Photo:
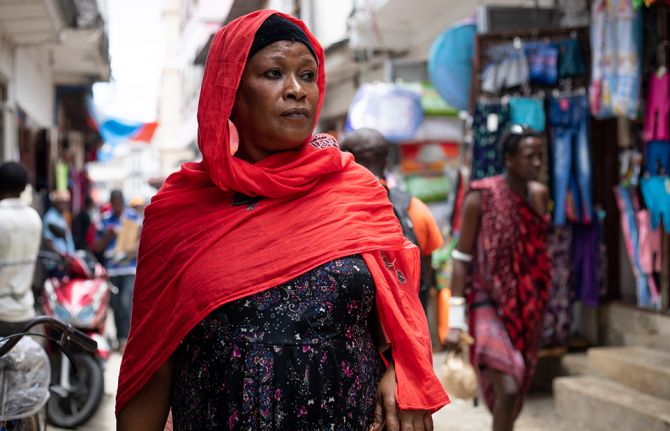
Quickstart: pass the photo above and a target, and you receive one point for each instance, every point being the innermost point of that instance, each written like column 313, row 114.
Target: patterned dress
column 509, row 289
column 299, row 356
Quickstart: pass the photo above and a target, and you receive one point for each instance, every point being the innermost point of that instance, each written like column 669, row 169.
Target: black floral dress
column 299, row 356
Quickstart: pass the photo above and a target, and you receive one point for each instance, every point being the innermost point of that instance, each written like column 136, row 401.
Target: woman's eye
column 308, row 76
column 273, row 73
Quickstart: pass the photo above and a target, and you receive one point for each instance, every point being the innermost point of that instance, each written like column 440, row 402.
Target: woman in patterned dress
column 264, row 269
column 504, row 236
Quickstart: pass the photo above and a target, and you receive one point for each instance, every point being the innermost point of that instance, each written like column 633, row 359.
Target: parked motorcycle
column 25, row 372
column 77, row 292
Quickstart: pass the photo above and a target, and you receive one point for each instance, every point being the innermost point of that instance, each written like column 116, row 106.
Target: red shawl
column 517, row 273
column 198, row 251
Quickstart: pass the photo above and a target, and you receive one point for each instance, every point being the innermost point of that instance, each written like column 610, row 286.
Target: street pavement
column 539, row 413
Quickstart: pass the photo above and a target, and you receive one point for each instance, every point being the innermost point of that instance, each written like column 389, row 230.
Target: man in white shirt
column 20, row 230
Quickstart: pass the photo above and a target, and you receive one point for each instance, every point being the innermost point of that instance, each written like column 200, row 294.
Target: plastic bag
column 459, row 377
column 26, row 374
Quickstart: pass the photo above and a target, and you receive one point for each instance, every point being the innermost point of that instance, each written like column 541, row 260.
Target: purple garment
column 558, row 317
column 586, row 252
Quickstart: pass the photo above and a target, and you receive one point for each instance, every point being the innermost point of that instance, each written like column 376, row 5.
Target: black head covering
column 276, row 28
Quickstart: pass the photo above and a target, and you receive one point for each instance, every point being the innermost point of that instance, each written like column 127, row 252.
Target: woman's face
column 276, row 102
column 527, row 161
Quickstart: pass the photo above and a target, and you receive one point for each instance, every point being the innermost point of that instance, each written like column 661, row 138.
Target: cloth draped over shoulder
column 200, row 250
column 513, row 265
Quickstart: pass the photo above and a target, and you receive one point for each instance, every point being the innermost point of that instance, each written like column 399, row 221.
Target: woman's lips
column 296, row 113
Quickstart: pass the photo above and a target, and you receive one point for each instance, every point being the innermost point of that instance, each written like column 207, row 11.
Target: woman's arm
column 539, row 197
column 148, row 409
column 467, row 240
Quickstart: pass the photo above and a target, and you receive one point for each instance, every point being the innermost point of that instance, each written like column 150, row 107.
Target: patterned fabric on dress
column 558, row 317
column 489, row 123
column 299, row 356
column 513, row 271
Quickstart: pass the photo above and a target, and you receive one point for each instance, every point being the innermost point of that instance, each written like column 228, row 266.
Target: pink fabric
column 650, row 244
column 493, row 349
column 658, row 107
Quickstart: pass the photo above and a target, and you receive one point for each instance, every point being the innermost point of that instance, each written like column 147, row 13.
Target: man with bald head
column 370, row 149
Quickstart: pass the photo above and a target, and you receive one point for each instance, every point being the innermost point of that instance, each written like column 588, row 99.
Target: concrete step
column 618, row 319
column 599, row 404
column 574, row 364
column 654, row 341
column 641, row 368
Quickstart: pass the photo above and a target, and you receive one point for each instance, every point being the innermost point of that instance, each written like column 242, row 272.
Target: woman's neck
column 517, row 185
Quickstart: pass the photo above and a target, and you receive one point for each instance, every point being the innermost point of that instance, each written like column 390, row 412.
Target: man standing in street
column 57, row 233
column 118, row 239
column 370, row 149
column 20, row 229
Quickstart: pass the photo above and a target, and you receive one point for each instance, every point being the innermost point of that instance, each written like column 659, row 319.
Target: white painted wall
column 34, row 85
column 285, row 6
column 330, row 20
column 10, row 149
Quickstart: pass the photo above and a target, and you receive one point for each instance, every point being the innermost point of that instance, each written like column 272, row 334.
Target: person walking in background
column 138, row 203
column 503, row 248
column 261, row 266
column 57, row 233
column 370, row 149
column 117, row 240
column 83, row 227
column 20, row 235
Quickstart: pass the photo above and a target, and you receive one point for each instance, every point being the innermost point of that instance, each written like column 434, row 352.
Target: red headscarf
column 198, row 251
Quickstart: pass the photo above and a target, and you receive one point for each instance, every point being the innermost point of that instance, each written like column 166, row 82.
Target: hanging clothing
column 511, row 275
column 489, row 123
column 558, row 318
column 646, row 290
column 586, row 256
column 508, row 68
column 656, row 194
column 568, row 119
column 527, row 111
column 657, row 112
column 657, row 158
column 201, row 248
column 650, row 244
column 616, row 40
column 542, row 62
column 570, row 59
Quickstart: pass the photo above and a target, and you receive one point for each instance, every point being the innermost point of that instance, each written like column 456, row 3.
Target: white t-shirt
column 20, row 230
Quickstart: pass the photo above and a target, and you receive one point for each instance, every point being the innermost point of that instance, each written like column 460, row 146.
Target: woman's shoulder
column 536, row 188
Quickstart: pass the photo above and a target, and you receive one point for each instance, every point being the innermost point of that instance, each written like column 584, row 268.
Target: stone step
column 641, row 368
column 598, row 404
column 620, row 319
column 654, row 341
column 574, row 364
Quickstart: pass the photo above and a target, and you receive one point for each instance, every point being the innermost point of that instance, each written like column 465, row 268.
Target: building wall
column 34, row 85
column 9, row 139
column 27, row 77
column 328, row 20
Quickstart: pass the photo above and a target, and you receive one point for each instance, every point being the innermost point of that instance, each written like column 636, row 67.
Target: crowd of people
column 282, row 283
column 31, row 247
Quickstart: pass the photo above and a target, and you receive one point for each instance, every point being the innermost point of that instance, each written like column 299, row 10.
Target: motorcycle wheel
column 83, row 401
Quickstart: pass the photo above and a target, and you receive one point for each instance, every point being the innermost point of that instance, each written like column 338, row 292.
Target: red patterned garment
column 511, row 276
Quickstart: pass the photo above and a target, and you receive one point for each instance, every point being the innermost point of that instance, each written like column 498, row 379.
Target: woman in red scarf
column 261, row 268
column 504, row 235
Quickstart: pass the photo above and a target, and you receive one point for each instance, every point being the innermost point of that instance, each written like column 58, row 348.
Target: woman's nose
column 293, row 88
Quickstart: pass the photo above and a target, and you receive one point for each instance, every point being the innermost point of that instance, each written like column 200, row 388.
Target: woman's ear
column 507, row 160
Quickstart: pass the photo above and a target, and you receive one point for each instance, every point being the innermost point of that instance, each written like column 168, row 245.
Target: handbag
column 458, row 375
